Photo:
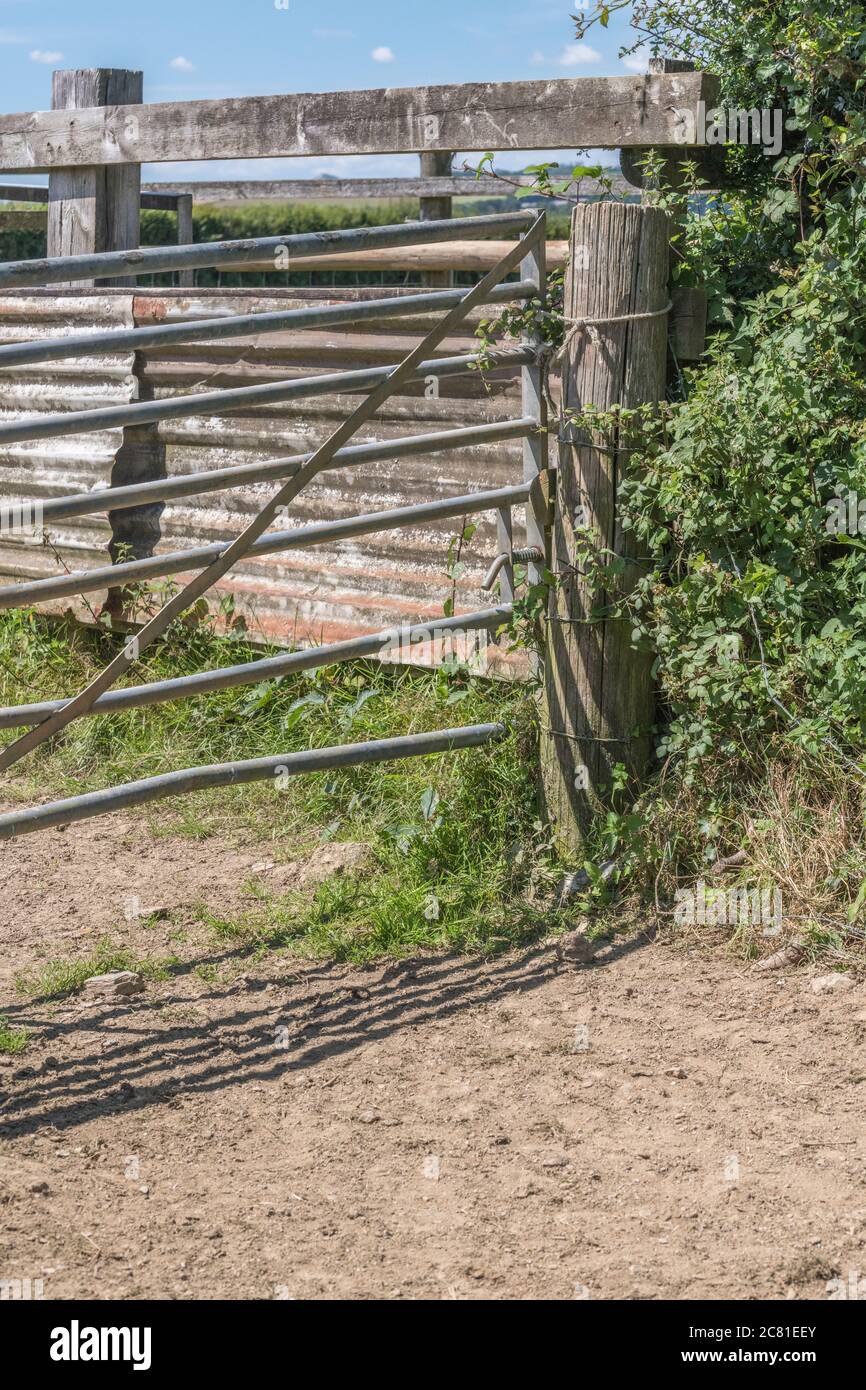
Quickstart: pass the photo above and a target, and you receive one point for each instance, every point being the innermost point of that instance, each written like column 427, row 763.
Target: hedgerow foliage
column 756, row 600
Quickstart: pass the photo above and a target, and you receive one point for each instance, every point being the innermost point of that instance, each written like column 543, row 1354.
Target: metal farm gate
column 291, row 475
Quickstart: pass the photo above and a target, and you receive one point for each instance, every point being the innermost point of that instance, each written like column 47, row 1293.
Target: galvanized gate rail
column 45, row 720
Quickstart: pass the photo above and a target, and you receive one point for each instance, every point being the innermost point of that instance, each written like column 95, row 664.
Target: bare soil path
column 663, row 1123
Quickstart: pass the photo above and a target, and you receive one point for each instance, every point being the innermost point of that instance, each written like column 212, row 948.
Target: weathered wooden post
column 437, row 164
column 185, row 236
column 97, row 208
column 689, row 312
column 94, row 208
column 599, row 702
column 536, row 446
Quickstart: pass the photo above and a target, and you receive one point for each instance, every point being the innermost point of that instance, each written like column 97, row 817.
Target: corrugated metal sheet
column 324, row 594
column 50, row 468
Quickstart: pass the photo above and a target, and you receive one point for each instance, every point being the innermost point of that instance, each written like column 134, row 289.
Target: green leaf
column 858, row 904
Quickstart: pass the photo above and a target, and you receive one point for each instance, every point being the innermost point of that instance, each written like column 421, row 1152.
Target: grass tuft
column 12, row 1040
column 59, row 978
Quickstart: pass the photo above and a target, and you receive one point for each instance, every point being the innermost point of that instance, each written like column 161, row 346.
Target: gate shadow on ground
column 143, row 1057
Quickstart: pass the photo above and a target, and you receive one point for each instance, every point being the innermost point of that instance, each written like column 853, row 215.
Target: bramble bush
column 755, row 600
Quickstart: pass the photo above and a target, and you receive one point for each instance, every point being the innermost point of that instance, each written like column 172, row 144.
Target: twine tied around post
column 590, row 325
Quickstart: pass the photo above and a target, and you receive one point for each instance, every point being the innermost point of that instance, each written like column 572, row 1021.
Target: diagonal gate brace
column 208, row 577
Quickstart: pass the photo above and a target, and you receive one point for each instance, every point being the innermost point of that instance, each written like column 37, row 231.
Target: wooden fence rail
column 232, row 191
column 589, row 112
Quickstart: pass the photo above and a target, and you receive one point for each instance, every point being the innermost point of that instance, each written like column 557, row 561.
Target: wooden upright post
column 94, row 208
column 435, row 165
column 536, row 458
column 689, row 314
column 599, row 704
column 185, row 236
column 709, row 159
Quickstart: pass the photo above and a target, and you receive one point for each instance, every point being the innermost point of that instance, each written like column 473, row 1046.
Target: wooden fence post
column 689, row 315
column 599, row 702
column 437, row 164
column 98, row 209
column 536, row 447
column 708, row 158
column 94, row 208
column 185, row 236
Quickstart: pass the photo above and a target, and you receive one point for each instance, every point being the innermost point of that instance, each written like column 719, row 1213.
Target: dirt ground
column 664, row 1123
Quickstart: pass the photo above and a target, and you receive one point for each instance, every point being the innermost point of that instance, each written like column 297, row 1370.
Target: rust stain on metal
column 148, row 309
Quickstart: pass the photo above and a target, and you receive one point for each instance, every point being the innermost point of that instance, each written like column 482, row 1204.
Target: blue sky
column 194, row 49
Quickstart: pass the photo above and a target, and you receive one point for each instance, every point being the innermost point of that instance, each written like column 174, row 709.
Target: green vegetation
column 459, row 855
column 58, row 978
column 746, row 489
column 755, row 601
column 12, row 1040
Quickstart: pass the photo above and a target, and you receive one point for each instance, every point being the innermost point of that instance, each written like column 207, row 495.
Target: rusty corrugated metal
column 325, row 594
column 50, row 468
column 329, row 593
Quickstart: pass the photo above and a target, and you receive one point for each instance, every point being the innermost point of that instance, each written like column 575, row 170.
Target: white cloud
column 10, row 36
column 383, row 55
column 538, row 59
column 637, row 61
column 576, row 54
column 182, row 65
column 40, row 55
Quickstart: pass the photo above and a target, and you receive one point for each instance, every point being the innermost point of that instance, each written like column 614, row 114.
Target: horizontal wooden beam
column 165, row 195
column 38, row 193
column 455, row 255
column 324, row 190
column 23, row 193
column 585, row 112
